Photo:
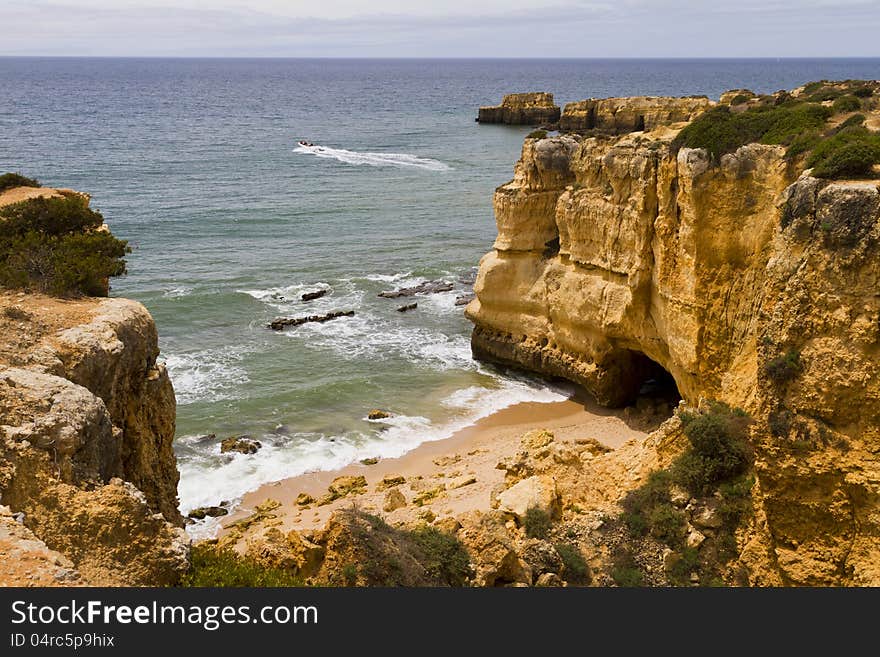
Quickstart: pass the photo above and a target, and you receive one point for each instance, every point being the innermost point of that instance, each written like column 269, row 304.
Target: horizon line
column 444, row 58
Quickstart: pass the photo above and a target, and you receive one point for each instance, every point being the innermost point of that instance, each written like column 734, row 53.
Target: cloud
column 634, row 28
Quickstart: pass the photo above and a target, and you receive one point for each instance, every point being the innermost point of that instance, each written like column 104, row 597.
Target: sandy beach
column 463, row 466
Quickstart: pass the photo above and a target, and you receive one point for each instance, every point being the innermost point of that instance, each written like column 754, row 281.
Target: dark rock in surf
column 428, row 287
column 283, row 322
column 464, row 299
column 317, row 294
column 240, row 444
column 207, row 512
column 408, row 307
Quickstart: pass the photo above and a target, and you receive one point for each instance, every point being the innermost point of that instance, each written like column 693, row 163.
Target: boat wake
column 398, row 160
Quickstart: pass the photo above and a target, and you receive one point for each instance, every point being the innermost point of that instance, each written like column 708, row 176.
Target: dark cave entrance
column 654, row 393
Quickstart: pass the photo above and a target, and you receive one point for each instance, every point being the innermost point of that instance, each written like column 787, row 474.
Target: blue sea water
column 195, row 162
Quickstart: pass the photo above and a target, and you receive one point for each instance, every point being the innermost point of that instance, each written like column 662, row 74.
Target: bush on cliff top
column 797, row 123
column 721, row 131
column 10, row 180
column 55, row 246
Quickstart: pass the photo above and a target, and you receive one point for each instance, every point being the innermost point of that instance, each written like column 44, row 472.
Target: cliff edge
column 87, row 423
column 744, row 277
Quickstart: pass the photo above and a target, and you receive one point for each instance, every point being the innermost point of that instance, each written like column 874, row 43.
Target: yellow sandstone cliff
column 618, row 259
column 86, row 427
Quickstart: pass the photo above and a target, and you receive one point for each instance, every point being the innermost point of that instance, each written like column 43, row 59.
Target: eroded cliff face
column 87, row 425
column 617, row 256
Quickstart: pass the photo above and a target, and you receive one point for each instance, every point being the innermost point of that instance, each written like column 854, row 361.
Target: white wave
column 387, row 278
column 208, row 375
column 177, row 292
column 204, row 482
column 399, row 160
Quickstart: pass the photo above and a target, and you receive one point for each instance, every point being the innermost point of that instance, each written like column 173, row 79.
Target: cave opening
column 655, row 394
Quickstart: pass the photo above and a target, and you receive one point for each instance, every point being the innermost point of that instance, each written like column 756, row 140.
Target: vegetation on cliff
column 804, row 124
column 10, row 180
column 56, row 245
column 213, row 567
column 697, row 502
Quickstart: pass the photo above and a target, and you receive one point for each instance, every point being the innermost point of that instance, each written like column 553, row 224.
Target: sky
column 451, row 28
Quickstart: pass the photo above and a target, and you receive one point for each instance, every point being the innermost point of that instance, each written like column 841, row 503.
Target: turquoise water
column 196, row 163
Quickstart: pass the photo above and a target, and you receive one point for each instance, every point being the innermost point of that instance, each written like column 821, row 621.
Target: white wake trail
column 399, row 160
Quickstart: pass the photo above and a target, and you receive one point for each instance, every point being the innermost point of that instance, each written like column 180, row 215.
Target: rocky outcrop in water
column 619, row 259
column 284, row 322
column 428, row 287
column 535, row 108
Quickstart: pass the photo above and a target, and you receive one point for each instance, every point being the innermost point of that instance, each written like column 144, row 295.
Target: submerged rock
column 428, row 287
column 317, row 294
column 283, row 322
column 407, row 307
column 464, row 299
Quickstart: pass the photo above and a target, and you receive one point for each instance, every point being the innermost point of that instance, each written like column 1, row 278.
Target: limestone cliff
column 534, row 108
column 620, row 115
column 747, row 281
column 86, row 429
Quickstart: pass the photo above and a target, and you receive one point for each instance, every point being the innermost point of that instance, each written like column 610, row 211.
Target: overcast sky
column 451, row 28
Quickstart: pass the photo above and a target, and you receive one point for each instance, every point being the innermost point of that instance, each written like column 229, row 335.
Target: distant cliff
column 731, row 268
column 534, row 108
column 86, row 430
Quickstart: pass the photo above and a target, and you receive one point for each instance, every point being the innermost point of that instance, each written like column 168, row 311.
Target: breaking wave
column 398, row 160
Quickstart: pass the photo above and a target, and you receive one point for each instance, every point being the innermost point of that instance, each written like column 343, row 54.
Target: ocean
column 196, row 163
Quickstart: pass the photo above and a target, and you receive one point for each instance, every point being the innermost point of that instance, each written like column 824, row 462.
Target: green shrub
column 721, row 131
column 784, row 367
column 576, row 569
column 537, row 523
column 863, row 92
column 850, row 153
column 443, row 555
column 537, row 134
column 55, row 246
column 855, row 121
column 736, row 496
column 349, row 574
column 847, row 104
column 212, row 567
column 638, row 503
column 10, row 180
column 625, row 571
column 688, row 562
column 667, row 524
column 719, row 449
column 739, row 99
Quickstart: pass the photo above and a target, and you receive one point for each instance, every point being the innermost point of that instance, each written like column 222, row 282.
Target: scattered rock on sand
column 428, row 287
column 389, row 481
column 342, row 486
column 394, row 500
column 378, row 414
column 240, row 444
column 444, row 461
column 428, row 516
column 373, row 460
column 461, row 482
column 311, row 296
column 303, row 499
column 283, row 322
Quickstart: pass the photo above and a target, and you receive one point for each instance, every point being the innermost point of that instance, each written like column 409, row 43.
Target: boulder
column 408, row 307
column 346, row 484
column 303, row 499
column 550, row 580
column 493, row 554
column 705, row 515
column 537, row 491
column 207, row 512
column 240, row 444
column 394, row 500
column 378, row 414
